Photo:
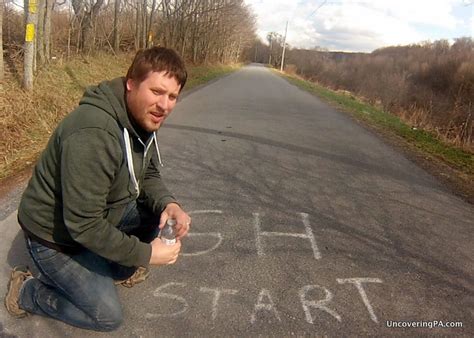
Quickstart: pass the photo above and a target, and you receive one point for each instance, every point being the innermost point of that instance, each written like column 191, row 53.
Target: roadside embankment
column 28, row 118
column 452, row 165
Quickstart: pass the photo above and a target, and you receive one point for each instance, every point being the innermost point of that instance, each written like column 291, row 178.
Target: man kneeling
column 95, row 203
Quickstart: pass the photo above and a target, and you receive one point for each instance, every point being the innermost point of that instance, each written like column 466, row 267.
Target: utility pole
column 286, row 30
column 284, row 47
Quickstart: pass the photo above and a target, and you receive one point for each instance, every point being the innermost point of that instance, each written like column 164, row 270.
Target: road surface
column 304, row 223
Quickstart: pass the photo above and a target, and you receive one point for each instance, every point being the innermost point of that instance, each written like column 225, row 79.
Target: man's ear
column 130, row 84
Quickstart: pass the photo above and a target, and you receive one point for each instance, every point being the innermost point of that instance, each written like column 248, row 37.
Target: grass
column 425, row 141
column 204, row 73
column 27, row 119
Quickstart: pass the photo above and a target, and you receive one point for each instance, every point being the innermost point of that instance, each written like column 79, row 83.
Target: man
column 95, row 203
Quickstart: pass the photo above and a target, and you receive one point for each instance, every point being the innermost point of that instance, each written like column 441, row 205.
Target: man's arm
column 155, row 195
column 159, row 199
column 90, row 159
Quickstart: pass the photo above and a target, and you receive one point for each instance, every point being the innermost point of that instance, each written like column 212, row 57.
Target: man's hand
column 162, row 254
column 183, row 221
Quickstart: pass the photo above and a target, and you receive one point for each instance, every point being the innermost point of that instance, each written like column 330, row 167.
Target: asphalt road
column 304, row 223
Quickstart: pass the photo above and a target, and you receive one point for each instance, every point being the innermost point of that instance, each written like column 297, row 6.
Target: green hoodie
column 83, row 180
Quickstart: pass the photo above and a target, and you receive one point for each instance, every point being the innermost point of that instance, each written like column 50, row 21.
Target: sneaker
column 19, row 275
column 138, row 276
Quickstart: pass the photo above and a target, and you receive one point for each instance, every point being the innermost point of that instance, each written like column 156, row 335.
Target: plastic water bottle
column 167, row 234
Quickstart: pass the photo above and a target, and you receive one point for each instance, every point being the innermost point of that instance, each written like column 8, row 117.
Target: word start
column 264, row 301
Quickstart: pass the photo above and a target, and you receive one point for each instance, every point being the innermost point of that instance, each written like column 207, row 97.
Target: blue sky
column 363, row 25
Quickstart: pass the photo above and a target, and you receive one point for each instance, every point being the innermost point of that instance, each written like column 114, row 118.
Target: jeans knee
column 110, row 320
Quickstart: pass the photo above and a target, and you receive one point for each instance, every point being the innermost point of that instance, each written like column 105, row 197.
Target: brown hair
column 158, row 59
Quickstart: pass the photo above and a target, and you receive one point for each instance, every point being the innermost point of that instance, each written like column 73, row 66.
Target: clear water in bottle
column 167, row 234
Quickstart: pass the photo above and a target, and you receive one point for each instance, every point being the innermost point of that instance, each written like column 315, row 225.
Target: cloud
column 352, row 25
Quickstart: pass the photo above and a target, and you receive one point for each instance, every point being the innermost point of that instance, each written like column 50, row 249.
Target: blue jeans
column 79, row 289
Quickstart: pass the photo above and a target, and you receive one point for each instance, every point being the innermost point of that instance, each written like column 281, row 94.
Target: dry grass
column 429, row 143
column 429, row 85
column 28, row 119
column 455, row 134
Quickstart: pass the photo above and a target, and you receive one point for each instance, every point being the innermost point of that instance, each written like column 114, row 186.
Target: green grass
column 205, row 73
column 425, row 141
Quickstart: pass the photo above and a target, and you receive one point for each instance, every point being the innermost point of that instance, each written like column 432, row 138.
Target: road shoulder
column 456, row 181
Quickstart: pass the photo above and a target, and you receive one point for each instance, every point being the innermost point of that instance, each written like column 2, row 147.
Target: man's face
column 152, row 100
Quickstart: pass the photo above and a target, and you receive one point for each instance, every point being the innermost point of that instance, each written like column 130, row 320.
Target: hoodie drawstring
column 157, row 148
column 128, row 152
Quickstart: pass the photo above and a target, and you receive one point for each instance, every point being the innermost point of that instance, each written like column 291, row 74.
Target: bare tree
column 40, row 32
column 47, row 29
column 270, row 42
column 201, row 30
column 141, row 14
column 149, row 40
column 206, row 30
column 275, row 41
column 1, row 40
column 43, row 31
column 87, row 11
column 143, row 18
column 116, row 26
column 138, row 25
column 429, row 85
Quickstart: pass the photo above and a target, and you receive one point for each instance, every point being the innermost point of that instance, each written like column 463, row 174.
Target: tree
column 138, row 26
column 275, row 41
column 200, row 30
column 29, row 46
column 87, row 11
column 149, row 40
column 116, row 28
column 47, row 29
column 43, row 36
column 40, row 32
column 1, row 40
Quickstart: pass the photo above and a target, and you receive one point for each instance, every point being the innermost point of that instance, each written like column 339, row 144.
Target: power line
column 324, row 2
column 286, row 30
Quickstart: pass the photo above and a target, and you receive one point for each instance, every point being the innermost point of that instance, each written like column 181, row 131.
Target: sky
column 365, row 25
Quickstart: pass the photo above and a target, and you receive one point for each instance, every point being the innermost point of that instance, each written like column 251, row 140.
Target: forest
column 202, row 31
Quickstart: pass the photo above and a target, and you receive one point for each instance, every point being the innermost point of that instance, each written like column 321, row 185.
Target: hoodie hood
column 109, row 96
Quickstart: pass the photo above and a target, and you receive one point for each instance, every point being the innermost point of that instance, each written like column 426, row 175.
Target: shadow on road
column 18, row 254
column 384, row 231
column 4, row 334
column 372, row 169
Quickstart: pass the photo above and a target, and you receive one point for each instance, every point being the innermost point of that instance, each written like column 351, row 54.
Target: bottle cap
column 171, row 222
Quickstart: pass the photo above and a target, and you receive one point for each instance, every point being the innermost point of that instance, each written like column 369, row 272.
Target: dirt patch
column 9, row 184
